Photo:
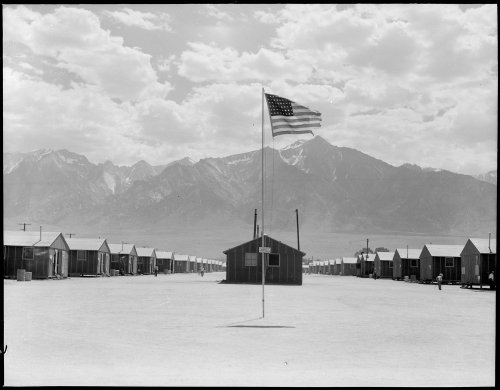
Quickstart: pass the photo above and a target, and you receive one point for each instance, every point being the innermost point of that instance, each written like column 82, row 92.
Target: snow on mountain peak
column 295, row 145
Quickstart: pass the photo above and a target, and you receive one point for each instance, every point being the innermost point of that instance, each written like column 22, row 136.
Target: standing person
column 156, row 271
column 491, row 280
column 439, row 280
column 202, row 271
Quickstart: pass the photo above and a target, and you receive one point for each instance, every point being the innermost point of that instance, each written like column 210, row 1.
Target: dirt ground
column 185, row 330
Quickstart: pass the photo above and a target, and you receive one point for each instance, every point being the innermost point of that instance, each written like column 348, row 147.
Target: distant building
column 44, row 254
column 146, row 260
column 479, row 258
column 337, row 266
column 283, row 264
column 123, row 258
column 445, row 259
column 164, row 261
column 383, row 264
column 366, row 264
column 88, row 256
column 181, row 263
column 406, row 262
column 349, row 266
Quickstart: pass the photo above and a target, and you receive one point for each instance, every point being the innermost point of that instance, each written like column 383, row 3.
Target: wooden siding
column 288, row 272
column 408, row 268
column 43, row 263
column 383, row 268
column 432, row 266
column 349, row 269
column 96, row 263
column 476, row 266
column 125, row 263
column 164, row 265
column 366, row 267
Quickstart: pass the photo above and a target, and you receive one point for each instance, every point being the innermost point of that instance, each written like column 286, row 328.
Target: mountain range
column 335, row 189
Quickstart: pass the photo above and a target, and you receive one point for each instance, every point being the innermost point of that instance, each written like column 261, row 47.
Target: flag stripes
column 288, row 117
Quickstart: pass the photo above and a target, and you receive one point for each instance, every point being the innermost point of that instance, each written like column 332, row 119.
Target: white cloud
column 75, row 39
column 204, row 62
column 144, row 20
column 214, row 12
column 404, row 83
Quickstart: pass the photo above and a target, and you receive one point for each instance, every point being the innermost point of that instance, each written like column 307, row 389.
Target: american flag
column 288, row 117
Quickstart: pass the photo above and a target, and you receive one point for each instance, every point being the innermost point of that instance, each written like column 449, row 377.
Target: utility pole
column 298, row 241
column 24, row 225
column 71, row 234
column 367, row 248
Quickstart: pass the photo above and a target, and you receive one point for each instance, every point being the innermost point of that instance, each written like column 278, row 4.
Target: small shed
column 479, row 258
column 181, row 263
column 331, row 266
column 44, row 254
column 337, row 266
column 406, row 262
column 146, row 260
column 88, row 256
column 164, row 261
column 383, row 264
column 192, row 263
column 283, row 264
column 199, row 264
column 349, row 266
column 366, row 264
column 123, row 258
column 445, row 259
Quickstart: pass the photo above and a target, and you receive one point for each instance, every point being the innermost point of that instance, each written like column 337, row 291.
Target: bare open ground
column 185, row 330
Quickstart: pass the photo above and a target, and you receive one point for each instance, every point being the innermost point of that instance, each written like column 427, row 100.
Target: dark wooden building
column 349, row 266
column 146, row 260
column 192, row 263
column 164, row 261
column 181, row 263
column 283, row 265
column 366, row 264
column 406, row 262
column 337, row 266
column 445, row 259
column 479, row 258
column 44, row 254
column 88, row 256
column 383, row 264
column 123, row 258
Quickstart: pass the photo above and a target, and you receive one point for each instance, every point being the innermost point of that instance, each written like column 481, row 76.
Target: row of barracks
column 468, row 264
column 52, row 255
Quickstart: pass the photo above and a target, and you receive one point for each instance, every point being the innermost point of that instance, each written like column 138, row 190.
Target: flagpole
column 262, row 230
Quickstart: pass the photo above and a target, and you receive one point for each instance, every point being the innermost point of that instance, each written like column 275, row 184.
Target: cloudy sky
column 402, row 83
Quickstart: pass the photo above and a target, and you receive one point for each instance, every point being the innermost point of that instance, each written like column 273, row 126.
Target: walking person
column 202, row 271
column 439, row 280
column 491, row 280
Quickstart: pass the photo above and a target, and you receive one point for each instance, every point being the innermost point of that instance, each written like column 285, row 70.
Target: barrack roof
column 412, row 253
column 144, row 251
column 29, row 238
column 85, row 244
column 445, row 250
column 163, row 255
column 121, row 248
column 385, row 256
column 483, row 245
